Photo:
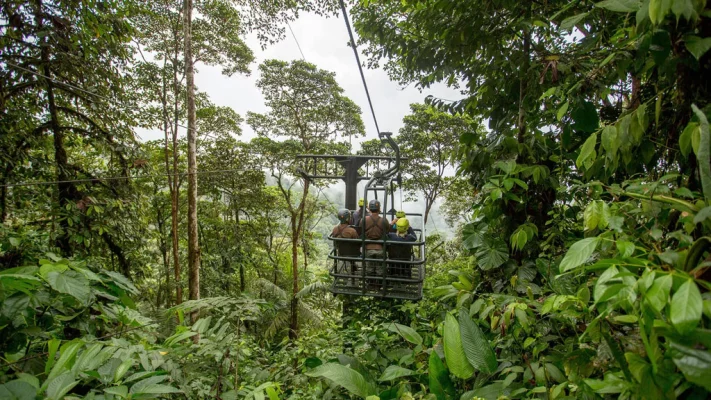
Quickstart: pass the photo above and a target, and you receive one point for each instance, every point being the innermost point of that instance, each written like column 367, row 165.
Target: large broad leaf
column 686, row 307
column 697, row 46
column 491, row 254
column 658, row 294
column 393, row 372
column 440, row 384
column 11, row 283
column 658, row 9
column 60, row 386
column 17, row 390
column 587, row 152
column 67, row 353
column 596, row 215
column 72, row 283
column 454, row 351
column 343, row 376
column 570, row 22
column 625, row 6
column 406, row 332
column 476, row 347
column 579, row 253
column 694, row 364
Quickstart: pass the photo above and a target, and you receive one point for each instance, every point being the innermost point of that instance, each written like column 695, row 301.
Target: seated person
column 398, row 215
column 399, row 251
column 344, row 231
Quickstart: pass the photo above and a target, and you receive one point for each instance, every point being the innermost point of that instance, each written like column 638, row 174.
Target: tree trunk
column 3, row 194
column 240, row 256
column 523, row 85
column 172, row 187
column 296, row 227
column 164, row 252
column 60, row 153
column 175, row 193
column 193, row 244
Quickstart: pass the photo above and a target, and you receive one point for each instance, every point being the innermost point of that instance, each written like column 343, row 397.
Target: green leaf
column 704, row 153
column 625, row 6
column 609, row 140
column 66, row 356
column 157, row 389
column 72, row 283
column 440, row 384
column 587, row 151
column 697, row 46
column 579, row 253
column 693, row 363
column 476, row 346
column 122, row 369
column 454, row 351
column 562, row 110
column 393, row 372
column 406, row 332
column 491, row 254
column 141, row 386
column 596, row 215
column 658, row 9
column 17, row 390
column 60, row 386
column 686, row 137
column 625, row 248
column 343, row 376
column 52, row 346
column 121, row 391
column 658, row 295
column 686, row 307
column 570, row 22
column 683, row 8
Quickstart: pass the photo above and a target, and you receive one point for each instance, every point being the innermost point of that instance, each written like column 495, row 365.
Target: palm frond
column 270, row 289
column 316, row 287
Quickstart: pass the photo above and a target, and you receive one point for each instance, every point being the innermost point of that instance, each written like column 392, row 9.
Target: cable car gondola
column 401, row 271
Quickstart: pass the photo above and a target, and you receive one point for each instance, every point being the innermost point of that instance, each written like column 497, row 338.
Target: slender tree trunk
column 193, row 241
column 238, row 238
column 171, row 189
column 164, row 253
column 523, row 85
column 3, row 194
column 60, row 153
column 296, row 227
column 175, row 192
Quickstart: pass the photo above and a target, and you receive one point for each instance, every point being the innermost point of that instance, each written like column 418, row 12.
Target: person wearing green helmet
column 398, row 215
column 358, row 214
column 397, row 250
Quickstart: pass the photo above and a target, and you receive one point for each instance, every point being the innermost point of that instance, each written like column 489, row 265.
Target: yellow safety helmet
column 403, row 225
column 361, row 203
column 400, row 214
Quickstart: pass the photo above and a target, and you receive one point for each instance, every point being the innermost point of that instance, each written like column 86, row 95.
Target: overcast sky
column 324, row 42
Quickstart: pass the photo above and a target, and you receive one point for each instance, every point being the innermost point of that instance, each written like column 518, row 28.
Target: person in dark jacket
column 397, row 250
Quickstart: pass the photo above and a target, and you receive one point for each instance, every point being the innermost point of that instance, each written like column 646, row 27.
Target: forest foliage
column 575, row 168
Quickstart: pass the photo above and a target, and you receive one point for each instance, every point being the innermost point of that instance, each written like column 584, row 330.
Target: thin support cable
column 360, row 68
column 296, row 40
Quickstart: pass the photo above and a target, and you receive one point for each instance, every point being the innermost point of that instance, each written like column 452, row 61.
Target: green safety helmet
column 400, row 214
column 344, row 215
column 361, row 203
column 403, row 225
column 374, row 205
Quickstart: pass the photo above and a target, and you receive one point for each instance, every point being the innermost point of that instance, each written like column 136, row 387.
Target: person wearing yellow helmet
column 398, row 250
column 358, row 214
column 398, row 215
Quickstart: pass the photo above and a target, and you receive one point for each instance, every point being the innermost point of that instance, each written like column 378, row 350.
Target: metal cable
column 355, row 52
column 296, row 40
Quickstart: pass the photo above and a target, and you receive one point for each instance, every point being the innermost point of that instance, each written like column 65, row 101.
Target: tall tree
column 429, row 138
column 53, row 60
column 308, row 111
column 193, row 242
